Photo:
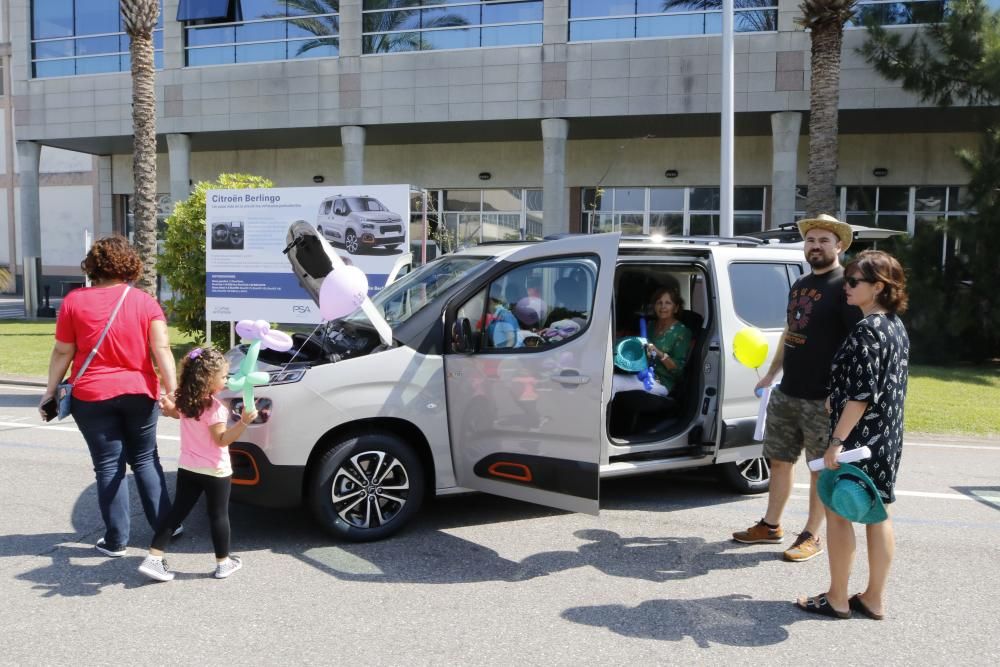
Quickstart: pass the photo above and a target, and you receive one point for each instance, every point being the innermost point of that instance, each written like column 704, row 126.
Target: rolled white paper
column 850, row 456
column 765, row 395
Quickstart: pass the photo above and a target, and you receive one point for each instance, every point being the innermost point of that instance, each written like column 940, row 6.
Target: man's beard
column 818, row 260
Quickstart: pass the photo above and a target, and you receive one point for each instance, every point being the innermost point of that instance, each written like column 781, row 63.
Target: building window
column 268, row 30
column 889, row 12
column 71, row 37
column 391, row 26
column 477, row 216
column 934, row 207
column 669, row 211
column 592, row 20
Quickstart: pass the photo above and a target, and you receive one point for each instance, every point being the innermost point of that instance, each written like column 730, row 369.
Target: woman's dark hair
column 194, row 390
column 675, row 296
column 112, row 258
column 878, row 266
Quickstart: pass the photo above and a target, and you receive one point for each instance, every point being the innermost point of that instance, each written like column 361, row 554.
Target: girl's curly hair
column 112, row 258
column 194, row 390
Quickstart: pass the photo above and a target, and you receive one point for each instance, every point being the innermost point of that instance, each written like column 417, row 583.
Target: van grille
column 391, row 229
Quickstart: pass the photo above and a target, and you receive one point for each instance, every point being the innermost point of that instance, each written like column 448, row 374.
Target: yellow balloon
column 750, row 347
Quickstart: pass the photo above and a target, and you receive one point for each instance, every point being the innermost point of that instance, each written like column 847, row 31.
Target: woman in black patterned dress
column 867, row 390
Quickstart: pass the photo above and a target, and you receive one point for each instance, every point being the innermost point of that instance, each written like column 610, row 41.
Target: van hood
column 378, row 216
column 313, row 258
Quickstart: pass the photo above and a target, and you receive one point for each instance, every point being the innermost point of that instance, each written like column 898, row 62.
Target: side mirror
column 461, row 336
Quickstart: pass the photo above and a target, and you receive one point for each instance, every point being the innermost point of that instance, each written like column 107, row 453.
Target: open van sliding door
column 524, row 392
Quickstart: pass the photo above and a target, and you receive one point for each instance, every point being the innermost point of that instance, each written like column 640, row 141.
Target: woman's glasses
column 852, row 281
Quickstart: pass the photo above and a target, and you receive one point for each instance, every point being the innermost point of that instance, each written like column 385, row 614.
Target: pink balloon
column 343, row 291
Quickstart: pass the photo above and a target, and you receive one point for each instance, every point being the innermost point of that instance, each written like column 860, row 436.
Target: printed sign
column 264, row 258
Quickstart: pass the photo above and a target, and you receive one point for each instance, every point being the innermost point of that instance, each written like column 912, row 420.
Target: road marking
column 931, row 494
column 65, row 429
column 909, row 443
column 24, row 388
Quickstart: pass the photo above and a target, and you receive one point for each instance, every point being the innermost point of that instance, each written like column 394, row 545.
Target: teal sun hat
column 851, row 493
column 630, row 354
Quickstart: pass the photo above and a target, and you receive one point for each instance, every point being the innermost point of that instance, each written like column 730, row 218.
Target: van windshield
column 365, row 204
column 407, row 296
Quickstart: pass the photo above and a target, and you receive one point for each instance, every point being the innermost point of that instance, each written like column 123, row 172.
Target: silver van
column 359, row 223
column 361, row 427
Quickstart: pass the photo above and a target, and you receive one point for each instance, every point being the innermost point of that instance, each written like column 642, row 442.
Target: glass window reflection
column 592, row 20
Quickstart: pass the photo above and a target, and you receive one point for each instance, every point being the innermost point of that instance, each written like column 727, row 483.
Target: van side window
column 338, row 207
column 535, row 306
column 760, row 292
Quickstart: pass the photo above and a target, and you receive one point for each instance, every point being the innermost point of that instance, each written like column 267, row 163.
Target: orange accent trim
column 523, row 474
column 256, row 471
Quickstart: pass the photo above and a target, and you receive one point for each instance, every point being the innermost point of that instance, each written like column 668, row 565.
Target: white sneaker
column 156, row 568
column 110, row 551
column 226, row 568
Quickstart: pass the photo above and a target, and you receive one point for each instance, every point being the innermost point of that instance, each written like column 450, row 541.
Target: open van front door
column 525, row 371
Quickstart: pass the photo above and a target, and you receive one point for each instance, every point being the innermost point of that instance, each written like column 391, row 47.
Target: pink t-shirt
column 122, row 364
column 199, row 453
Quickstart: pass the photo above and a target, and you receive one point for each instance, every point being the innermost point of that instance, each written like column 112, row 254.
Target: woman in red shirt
column 115, row 402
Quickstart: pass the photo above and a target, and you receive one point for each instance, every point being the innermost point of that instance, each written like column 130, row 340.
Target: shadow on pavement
column 987, row 495
column 733, row 620
column 23, row 400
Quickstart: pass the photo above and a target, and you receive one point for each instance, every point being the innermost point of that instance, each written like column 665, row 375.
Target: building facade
column 521, row 117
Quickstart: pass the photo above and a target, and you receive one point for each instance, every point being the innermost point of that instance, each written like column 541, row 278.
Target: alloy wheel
column 370, row 489
column 754, row 470
column 351, row 243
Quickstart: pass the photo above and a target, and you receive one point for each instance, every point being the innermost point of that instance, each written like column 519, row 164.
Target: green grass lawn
column 961, row 400
column 25, row 346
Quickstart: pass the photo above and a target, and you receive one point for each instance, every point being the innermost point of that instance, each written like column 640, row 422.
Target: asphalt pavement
column 475, row 579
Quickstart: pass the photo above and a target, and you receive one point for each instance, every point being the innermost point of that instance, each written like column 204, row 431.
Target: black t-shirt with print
column 819, row 319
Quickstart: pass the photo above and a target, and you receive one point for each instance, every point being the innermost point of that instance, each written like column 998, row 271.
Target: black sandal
column 858, row 605
column 820, row 605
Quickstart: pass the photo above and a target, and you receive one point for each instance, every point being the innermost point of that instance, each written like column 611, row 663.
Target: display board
column 264, row 259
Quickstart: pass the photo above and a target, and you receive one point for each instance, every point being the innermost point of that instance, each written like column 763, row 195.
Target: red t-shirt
column 122, row 364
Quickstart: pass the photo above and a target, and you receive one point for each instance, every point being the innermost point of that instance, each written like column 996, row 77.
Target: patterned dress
column 872, row 366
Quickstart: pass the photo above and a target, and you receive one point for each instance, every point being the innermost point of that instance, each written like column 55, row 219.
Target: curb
column 24, row 380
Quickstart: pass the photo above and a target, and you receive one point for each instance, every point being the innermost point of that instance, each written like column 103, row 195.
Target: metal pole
column 726, row 158
column 423, row 246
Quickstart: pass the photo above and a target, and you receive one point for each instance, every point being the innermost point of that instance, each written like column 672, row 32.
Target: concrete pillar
column 555, row 202
column 352, row 138
column 785, row 129
column 555, row 21
column 179, row 157
column 28, row 156
column 350, row 28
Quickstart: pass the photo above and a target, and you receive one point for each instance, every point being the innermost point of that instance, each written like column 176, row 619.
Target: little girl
column 204, row 462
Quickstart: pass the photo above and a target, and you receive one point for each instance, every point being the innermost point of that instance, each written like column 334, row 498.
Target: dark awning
column 209, row 10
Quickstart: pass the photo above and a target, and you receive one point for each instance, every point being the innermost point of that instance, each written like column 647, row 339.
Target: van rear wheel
column 367, row 487
column 748, row 476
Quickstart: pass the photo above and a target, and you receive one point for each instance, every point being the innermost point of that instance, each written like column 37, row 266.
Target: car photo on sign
column 227, row 235
column 360, row 224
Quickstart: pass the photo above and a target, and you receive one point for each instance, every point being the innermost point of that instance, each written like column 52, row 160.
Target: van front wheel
column 748, row 476
column 351, row 242
column 366, row 487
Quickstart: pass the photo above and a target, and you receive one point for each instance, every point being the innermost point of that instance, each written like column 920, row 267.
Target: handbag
column 64, row 392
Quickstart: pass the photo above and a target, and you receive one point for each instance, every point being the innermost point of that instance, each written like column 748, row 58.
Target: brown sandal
column 858, row 605
column 820, row 605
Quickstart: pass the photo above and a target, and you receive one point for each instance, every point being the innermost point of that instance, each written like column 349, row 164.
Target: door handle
column 570, row 377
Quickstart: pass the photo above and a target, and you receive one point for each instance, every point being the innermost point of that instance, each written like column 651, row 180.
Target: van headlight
column 286, row 377
column 367, row 225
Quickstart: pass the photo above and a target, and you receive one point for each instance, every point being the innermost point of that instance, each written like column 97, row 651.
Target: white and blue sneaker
column 227, row 567
column 156, row 568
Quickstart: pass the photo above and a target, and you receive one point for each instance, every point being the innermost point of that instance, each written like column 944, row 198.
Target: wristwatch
column 835, row 442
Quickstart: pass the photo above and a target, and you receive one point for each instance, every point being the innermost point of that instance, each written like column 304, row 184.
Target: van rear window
column 760, row 293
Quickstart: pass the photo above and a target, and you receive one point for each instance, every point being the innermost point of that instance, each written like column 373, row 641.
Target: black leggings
column 190, row 486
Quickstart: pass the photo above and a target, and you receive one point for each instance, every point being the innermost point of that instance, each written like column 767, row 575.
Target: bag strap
column 104, row 333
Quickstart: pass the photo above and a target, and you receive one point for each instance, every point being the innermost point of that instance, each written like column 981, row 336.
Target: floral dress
column 872, row 366
column 675, row 341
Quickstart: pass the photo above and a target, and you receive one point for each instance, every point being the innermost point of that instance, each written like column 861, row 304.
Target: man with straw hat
column 819, row 319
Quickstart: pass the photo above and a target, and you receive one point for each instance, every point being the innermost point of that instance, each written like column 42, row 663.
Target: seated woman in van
column 668, row 346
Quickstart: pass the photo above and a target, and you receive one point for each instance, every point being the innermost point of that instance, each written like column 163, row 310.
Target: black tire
column 367, row 458
column 351, row 241
column 748, row 477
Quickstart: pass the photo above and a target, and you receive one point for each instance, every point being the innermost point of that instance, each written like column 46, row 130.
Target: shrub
column 183, row 260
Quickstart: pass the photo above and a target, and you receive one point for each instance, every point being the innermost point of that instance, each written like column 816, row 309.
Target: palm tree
column 140, row 18
column 825, row 20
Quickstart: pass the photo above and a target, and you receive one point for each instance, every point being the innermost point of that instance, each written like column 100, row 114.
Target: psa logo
column 301, row 310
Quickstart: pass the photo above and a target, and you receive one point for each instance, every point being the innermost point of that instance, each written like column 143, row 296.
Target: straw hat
column 830, row 224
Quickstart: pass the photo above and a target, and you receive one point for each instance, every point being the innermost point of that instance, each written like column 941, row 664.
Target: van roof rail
column 741, row 241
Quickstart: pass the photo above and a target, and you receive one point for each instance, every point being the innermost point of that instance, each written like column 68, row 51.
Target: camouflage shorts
column 794, row 424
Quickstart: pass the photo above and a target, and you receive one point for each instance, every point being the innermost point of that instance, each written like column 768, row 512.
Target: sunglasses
column 852, row 282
